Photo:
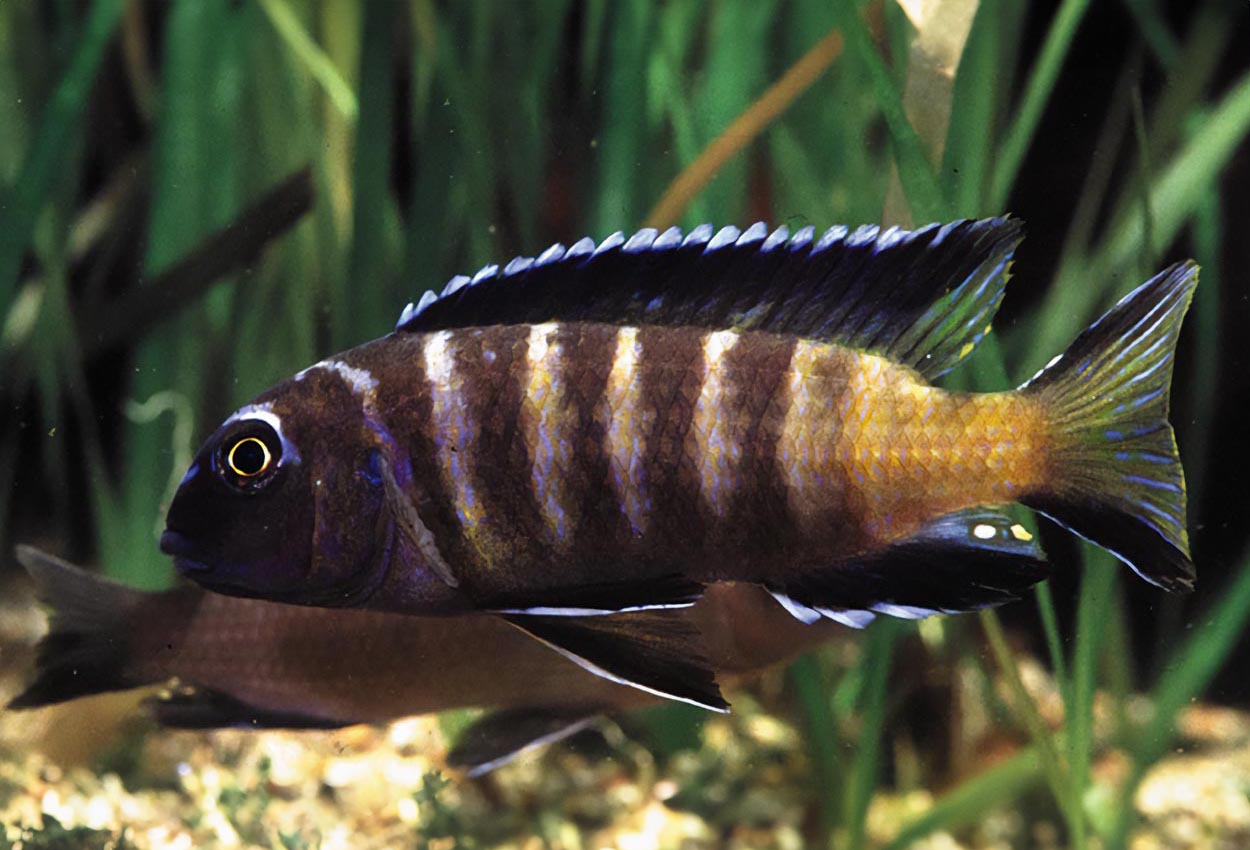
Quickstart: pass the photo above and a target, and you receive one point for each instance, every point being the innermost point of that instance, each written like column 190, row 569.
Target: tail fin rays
column 1116, row 475
column 86, row 650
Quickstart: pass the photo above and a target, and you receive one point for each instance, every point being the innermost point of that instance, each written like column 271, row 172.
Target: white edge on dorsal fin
column 944, row 231
column 670, row 238
column 803, row 238
column 837, row 234
column 776, row 238
column 581, row 248
column 517, row 265
column 616, row 240
column 641, row 241
column 726, row 236
column 485, row 272
column 413, row 310
column 427, row 298
column 862, row 235
column 456, row 284
column 754, row 233
column 891, row 236
column 699, row 235
column 551, row 255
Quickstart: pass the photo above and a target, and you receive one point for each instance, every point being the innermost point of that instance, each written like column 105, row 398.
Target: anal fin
column 660, row 652
column 963, row 561
column 204, row 708
column 500, row 736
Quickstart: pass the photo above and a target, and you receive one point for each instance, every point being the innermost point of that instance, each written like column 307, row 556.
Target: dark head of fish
column 284, row 501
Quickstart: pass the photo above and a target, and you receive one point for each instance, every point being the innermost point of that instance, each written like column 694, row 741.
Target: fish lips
column 215, row 576
column 183, row 551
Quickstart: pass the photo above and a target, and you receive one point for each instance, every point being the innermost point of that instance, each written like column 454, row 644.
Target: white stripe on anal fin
column 717, row 438
column 626, row 425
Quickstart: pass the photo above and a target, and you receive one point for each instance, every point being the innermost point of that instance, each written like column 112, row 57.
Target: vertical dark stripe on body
column 492, row 366
column 814, row 452
column 670, row 368
column 757, row 520
column 596, row 525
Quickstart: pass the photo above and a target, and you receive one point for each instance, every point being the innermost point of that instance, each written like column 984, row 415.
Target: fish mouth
column 176, row 544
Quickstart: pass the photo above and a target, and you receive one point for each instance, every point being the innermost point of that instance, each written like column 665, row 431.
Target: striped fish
column 606, row 429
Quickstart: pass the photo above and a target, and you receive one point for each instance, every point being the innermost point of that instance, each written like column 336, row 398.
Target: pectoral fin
column 204, row 708
column 497, row 738
column 411, row 524
column 660, row 652
column 963, row 561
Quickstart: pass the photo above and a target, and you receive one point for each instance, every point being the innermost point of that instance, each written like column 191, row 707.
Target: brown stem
column 744, row 129
column 219, row 254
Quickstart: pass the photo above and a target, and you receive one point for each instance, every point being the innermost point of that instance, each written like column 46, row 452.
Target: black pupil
column 249, row 457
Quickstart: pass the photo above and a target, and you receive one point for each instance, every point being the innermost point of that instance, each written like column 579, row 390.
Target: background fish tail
column 1114, row 472
column 87, row 649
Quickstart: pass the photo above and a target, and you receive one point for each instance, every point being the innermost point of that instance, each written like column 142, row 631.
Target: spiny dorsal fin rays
column 922, row 297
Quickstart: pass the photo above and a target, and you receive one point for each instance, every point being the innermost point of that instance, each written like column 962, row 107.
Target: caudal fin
column 86, row 648
column 1114, row 474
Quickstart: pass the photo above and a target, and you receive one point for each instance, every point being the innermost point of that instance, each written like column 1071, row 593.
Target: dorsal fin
column 923, row 298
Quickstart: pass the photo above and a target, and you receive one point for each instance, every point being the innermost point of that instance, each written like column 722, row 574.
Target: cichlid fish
column 256, row 664
column 608, row 429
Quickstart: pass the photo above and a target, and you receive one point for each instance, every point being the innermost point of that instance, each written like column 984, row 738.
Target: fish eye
column 247, row 458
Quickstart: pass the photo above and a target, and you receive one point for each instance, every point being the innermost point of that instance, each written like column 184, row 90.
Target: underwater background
column 198, row 199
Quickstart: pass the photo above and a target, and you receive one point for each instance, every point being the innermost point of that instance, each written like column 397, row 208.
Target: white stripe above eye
column 361, row 381
column 264, row 413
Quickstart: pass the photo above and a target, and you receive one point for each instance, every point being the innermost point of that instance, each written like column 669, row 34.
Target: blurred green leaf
column 1036, row 93
column 969, row 802
column 58, row 129
column 867, row 761
column 920, row 185
column 323, row 70
column 372, row 265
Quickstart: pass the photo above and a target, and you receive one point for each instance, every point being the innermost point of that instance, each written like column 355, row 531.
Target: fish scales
column 564, row 436
column 414, row 419
column 739, row 452
column 909, row 452
column 482, row 448
column 746, row 500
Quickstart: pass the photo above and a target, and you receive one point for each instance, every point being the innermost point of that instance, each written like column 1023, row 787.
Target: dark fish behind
column 609, row 429
column 259, row 664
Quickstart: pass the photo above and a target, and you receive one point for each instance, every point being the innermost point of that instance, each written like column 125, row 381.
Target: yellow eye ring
column 249, row 464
